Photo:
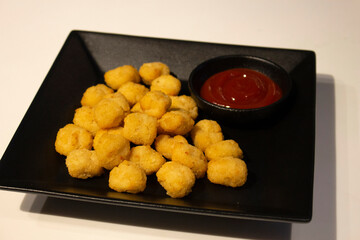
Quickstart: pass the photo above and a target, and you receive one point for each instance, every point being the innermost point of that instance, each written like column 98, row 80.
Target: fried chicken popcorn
column 153, row 70
column 127, row 177
column 83, row 164
column 110, row 112
column 147, row 158
column 191, row 157
column 130, row 129
column 121, row 99
column 186, row 103
column 155, row 103
column 178, row 122
column 206, row 132
column 111, row 149
column 168, row 84
column 72, row 137
column 140, row 128
column 228, row 171
column 176, row 179
column 114, row 78
column 133, row 92
column 94, row 94
column 165, row 144
column 84, row 117
column 225, row 148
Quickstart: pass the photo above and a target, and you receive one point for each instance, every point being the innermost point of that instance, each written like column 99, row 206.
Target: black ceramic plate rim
column 153, row 206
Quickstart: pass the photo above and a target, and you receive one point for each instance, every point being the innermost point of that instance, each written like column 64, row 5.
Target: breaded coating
column 114, row 78
column 176, row 179
column 165, row 144
column 83, row 163
column 168, row 84
column 206, row 132
column 109, row 113
column 179, row 138
column 140, row 128
column 178, row 122
column 94, row 94
column 147, row 158
column 136, row 108
column 227, row 171
column 186, row 103
column 155, row 103
column 127, row 177
column 153, row 70
column 72, row 137
column 121, row 99
column 117, row 130
column 133, row 92
column 84, row 117
column 225, row 148
column 191, row 157
column 111, row 148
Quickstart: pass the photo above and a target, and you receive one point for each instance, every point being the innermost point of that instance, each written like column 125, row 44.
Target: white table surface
column 32, row 33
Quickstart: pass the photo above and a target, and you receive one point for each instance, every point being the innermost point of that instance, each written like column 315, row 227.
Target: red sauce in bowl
column 240, row 88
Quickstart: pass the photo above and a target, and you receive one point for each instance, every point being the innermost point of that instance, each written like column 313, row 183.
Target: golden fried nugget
column 165, row 144
column 168, row 84
column 84, row 117
column 147, row 158
column 186, row 103
column 176, row 179
column 83, row 163
column 72, row 137
column 111, row 148
column 121, row 99
column 94, row 94
column 127, row 177
column 152, row 70
column 114, row 78
column 206, row 132
column 225, row 148
column 109, row 113
column 178, row 122
column 227, row 171
column 133, row 92
column 140, row 128
column 191, row 157
column 155, row 103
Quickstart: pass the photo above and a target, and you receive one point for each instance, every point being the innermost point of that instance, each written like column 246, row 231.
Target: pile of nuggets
column 137, row 124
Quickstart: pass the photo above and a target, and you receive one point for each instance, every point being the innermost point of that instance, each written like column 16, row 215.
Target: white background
column 32, row 33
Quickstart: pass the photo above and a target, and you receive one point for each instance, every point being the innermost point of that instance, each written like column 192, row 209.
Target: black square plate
column 280, row 155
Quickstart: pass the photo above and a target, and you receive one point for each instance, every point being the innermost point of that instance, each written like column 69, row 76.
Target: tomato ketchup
column 240, row 88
